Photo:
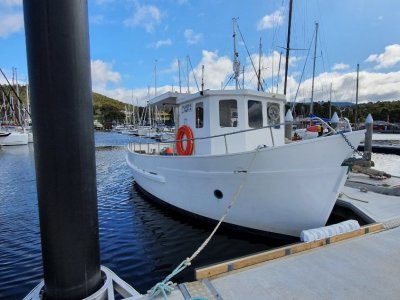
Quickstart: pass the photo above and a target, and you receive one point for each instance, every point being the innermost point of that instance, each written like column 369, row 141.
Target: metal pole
column 369, row 124
column 288, row 45
column 57, row 41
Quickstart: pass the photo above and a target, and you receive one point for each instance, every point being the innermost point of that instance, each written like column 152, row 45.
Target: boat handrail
column 224, row 135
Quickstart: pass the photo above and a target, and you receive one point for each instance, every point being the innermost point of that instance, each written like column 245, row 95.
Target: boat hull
column 14, row 139
column 283, row 189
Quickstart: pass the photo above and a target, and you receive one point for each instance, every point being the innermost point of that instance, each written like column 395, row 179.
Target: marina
column 275, row 196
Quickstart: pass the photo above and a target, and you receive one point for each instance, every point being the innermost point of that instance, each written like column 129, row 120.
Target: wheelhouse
column 228, row 121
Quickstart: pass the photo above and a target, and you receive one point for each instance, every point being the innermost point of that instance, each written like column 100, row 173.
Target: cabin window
column 255, row 114
column 199, row 115
column 228, row 116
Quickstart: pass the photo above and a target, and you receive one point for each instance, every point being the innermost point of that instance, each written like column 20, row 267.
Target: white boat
column 231, row 151
column 13, row 138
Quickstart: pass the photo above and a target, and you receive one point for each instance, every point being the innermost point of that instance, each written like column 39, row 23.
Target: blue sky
column 129, row 39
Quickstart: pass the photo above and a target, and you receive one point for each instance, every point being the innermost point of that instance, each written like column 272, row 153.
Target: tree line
column 388, row 111
column 109, row 111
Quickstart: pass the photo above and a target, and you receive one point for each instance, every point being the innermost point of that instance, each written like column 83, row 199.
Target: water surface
column 139, row 241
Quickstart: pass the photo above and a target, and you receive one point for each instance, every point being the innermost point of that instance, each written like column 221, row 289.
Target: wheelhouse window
column 255, row 113
column 228, row 116
column 199, row 115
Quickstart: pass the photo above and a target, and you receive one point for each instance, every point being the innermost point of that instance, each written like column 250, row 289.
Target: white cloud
column 147, row 16
column 192, row 37
column 272, row 20
column 10, row 23
column 161, row 43
column 340, row 66
column 102, row 74
column 216, row 69
column 372, row 87
column 387, row 59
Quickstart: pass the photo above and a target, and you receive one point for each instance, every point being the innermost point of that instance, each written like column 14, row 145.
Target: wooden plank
column 254, row 259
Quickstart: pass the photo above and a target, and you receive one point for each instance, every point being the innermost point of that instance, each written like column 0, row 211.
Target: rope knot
column 188, row 262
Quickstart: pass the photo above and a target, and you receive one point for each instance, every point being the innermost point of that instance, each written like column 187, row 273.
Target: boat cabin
column 228, row 121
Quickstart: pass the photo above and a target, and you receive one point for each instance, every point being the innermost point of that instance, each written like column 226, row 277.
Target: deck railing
column 148, row 146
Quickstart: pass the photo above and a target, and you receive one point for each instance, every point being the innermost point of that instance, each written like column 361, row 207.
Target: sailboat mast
column 356, row 113
column 313, row 73
column 259, row 67
column 179, row 68
column 288, row 45
column 236, row 63
column 279, row 71
column 155, row 78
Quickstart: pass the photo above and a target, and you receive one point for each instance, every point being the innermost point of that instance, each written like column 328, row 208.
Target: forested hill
column 109, row 111
column 105, row 109
column 100, row 100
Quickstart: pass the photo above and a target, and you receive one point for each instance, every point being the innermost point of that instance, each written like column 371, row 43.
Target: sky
column 139, row 47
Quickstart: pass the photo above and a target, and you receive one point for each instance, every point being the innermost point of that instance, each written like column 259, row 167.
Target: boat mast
column 179, row 68
column 288, row 45
column 155, row 78
column 313, row 73
column 279, row 71
column 187, row 72
column 356, row 113
column 330, row 102
column 259, row 68
column 236, row 63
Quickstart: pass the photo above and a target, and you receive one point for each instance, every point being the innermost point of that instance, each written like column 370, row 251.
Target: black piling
column 57, row 41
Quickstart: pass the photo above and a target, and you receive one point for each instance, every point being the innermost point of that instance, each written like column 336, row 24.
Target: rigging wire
column 301, row 77
column 194, row 75
column 248, row 53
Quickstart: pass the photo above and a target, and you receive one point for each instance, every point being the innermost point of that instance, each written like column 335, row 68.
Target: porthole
column 218, row 194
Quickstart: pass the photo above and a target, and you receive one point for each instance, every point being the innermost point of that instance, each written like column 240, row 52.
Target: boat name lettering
column 186, row 108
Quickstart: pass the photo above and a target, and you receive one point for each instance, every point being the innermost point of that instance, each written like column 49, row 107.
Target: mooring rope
column 166, row 286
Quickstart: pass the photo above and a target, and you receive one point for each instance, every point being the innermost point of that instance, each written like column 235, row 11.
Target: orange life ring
column 184, row 130
column 314, row 128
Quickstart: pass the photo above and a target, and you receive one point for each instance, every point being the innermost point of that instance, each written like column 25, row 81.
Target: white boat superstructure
column 231, row 144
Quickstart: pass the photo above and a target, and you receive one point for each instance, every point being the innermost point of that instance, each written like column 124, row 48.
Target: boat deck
column 358, row 265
